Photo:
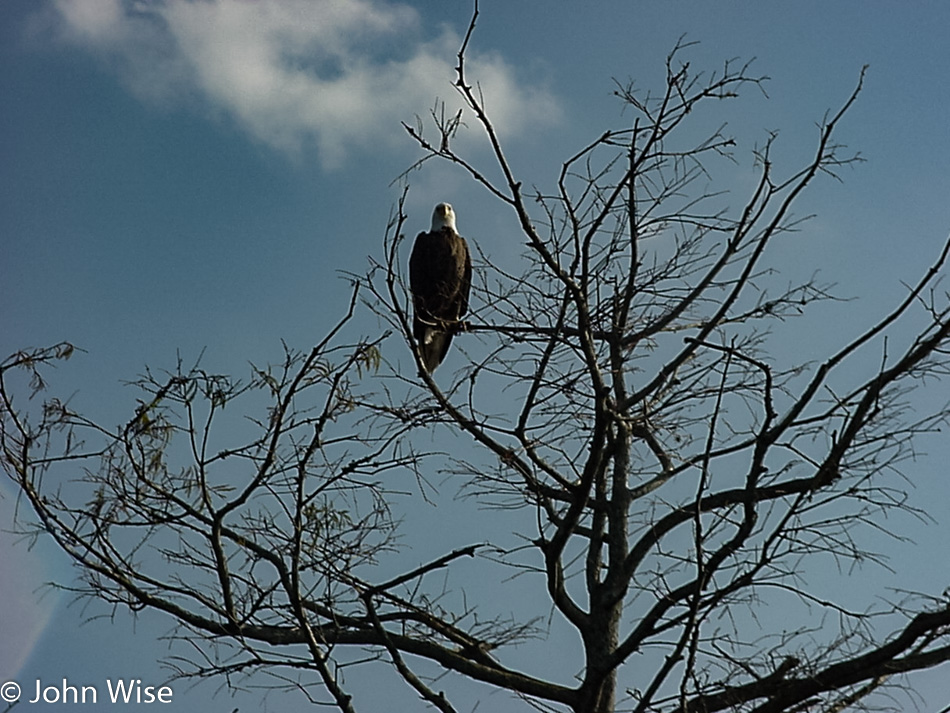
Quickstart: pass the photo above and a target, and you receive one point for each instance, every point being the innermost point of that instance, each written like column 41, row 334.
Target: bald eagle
column 440, row 276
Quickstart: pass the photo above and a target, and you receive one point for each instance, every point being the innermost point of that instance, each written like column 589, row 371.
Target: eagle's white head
column 443, row 217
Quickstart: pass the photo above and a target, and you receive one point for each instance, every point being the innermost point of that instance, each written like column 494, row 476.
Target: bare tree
column 671, row 476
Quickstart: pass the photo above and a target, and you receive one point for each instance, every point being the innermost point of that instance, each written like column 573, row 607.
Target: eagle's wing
column 466, row 284
column 417, row 271
column 440, row 278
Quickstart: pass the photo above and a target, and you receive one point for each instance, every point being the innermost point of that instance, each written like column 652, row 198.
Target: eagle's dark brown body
column 440, row 276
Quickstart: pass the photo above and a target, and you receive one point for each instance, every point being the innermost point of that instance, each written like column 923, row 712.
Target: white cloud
column 336, row 74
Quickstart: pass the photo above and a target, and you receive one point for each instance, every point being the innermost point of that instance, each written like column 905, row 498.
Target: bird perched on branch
column 440, row 276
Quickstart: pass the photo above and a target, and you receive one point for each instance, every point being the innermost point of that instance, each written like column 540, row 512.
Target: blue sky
column 187, row 176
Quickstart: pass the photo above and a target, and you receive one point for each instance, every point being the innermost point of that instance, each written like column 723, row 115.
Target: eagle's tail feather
column 434, row 346
column 433, row 343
